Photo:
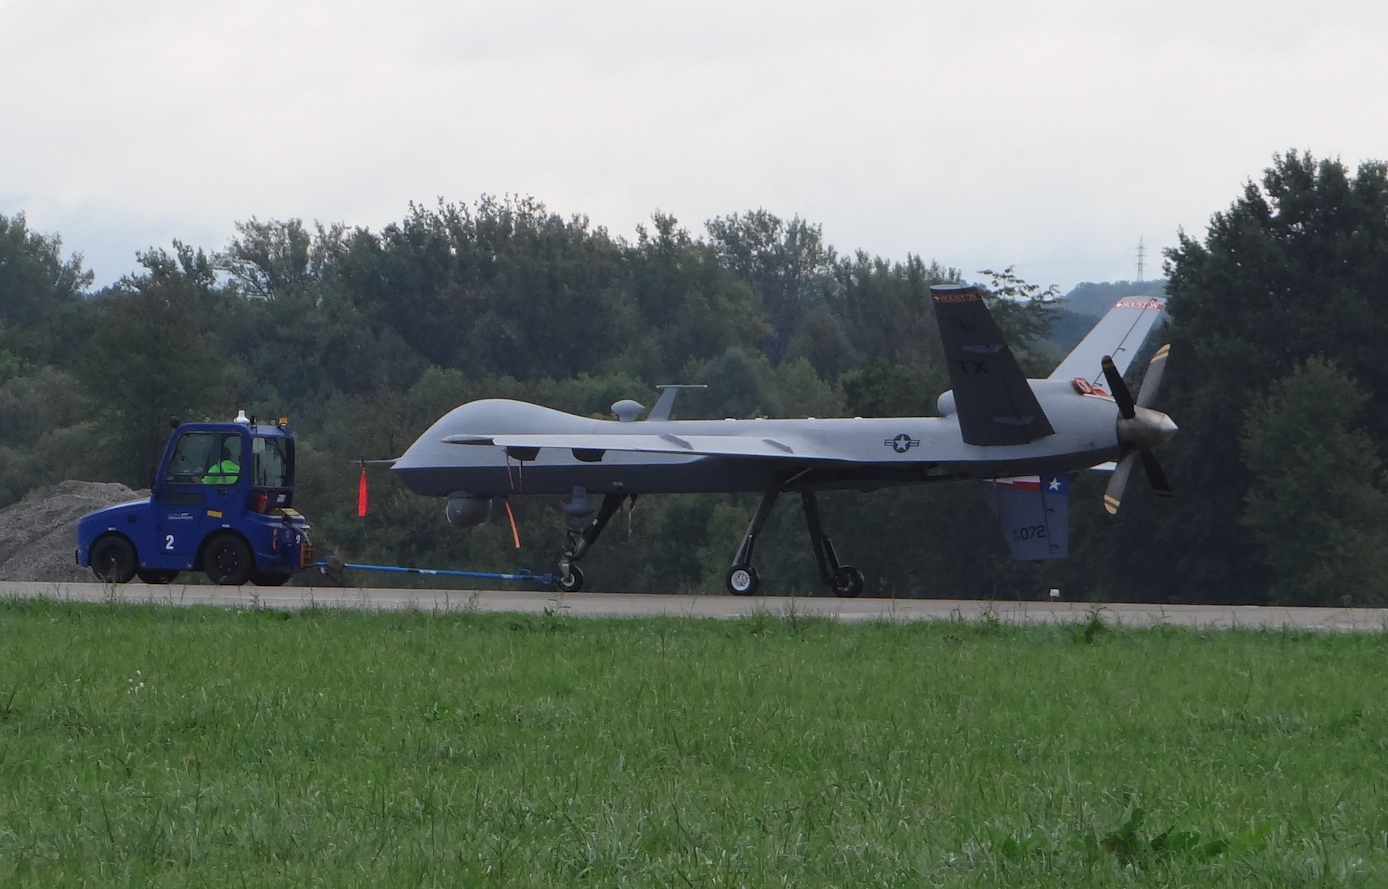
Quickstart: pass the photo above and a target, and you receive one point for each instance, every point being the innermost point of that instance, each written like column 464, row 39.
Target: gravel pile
column 38, row 535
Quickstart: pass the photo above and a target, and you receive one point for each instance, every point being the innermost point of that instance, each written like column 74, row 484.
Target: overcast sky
column 1045, row 135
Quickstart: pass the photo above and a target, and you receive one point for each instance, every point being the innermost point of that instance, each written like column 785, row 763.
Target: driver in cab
column 226, row 472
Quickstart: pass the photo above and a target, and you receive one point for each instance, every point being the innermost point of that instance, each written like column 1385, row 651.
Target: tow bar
column 522, row 574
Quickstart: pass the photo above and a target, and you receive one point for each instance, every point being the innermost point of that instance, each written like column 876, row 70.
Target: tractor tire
column 113, row 559
column 227, row 560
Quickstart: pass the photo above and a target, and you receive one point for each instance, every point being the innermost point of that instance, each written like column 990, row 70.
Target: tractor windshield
column 205, row 458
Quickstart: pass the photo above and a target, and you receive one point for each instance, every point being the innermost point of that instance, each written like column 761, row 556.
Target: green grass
column 158, row 746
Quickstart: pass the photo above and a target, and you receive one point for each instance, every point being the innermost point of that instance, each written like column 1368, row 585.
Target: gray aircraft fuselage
column 861, row 453
column 994, row 424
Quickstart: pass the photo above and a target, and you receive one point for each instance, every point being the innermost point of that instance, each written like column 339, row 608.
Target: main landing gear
column 570, row 577
column 845, row 580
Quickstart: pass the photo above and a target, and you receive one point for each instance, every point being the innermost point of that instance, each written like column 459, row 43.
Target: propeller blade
column 1113, row 495
column 1119, row 390
column 1152, row 382
column 1157, row 477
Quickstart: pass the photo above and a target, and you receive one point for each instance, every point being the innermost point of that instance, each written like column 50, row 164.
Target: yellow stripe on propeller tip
column 1111, row 504
column 1162, row 352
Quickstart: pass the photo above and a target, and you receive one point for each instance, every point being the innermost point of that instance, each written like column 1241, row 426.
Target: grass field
column 158, row 746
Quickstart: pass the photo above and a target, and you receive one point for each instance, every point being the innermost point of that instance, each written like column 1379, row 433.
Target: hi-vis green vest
column 224, row 473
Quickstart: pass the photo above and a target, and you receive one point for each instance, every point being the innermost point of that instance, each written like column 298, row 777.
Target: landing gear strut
column 570, row 577
column 845, row 580
column 742, row 578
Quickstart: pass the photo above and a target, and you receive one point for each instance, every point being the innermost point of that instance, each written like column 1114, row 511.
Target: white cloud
column 1046, row 135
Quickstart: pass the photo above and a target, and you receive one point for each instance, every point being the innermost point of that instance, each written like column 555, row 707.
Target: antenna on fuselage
column 661, row 411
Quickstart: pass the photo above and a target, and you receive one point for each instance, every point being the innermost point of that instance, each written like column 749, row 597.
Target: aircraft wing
column 1119, row 333
column 992, row 397
column 590, row 447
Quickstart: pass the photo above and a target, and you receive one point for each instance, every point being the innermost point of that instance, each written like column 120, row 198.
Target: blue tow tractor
column 220, row 503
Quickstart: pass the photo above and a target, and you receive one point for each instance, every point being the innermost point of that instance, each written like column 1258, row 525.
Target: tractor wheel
column 228, row 560
column 113, row 559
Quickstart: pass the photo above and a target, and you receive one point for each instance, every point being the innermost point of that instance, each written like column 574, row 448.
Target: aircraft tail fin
column 1034, row 512
column 1118, row 334
column 992, row 397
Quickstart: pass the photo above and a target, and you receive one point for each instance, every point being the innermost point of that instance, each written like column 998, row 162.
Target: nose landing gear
column 570, row 577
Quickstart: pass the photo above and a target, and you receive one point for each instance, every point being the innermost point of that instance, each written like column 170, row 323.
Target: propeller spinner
column 1140, row 428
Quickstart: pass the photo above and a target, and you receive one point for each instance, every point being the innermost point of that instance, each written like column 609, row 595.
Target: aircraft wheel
column 264, row 578
column 742, row 580
column 113, row 559
column 848, row 582
column 155, row 575
column 228, row 560
column 574, row 582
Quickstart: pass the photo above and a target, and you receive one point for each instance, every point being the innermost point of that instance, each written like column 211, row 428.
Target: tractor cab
column 207, row 463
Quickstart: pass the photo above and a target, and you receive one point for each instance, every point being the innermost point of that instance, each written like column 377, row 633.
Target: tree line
column 363, row 338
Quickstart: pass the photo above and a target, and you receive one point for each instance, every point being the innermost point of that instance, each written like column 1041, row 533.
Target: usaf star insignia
column 902, row 443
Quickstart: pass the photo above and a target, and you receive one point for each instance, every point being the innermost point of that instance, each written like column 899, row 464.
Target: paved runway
column 722, row 607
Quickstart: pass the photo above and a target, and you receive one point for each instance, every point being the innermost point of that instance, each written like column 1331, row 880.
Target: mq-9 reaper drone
column 1024, row 436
